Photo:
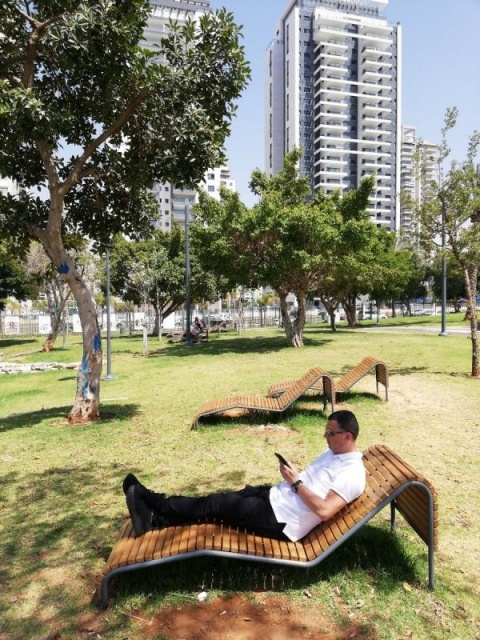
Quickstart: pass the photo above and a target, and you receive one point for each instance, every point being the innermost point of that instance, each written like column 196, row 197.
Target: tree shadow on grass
column 52, row 534
column 10, row 342
column 58, row 415
column 214, row 346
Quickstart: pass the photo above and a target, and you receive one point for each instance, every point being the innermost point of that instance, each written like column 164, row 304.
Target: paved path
column 418, row 328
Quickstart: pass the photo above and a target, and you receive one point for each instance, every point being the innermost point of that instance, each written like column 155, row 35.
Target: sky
column 441, row 55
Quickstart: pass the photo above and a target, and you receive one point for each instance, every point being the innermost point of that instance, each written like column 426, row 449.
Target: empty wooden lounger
column 298, row 388
column 358, row 372
column 331, row 387
column 390, row 481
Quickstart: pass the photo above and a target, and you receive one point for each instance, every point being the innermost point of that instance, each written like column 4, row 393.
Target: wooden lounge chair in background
column 298, row 388
column 331, row 387
column 363, row 368
column 390, row 481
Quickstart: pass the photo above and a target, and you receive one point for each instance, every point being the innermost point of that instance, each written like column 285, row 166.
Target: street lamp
column 188, row 336
column 109, row 375
column 443, row 332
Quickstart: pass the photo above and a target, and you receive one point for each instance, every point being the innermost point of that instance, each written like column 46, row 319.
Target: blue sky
column 440, row 69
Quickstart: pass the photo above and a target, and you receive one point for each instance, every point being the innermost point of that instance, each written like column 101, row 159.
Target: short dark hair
column 346, row 421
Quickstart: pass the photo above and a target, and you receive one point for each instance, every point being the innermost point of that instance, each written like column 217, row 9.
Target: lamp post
column 109, row 375
column 188, row 336
column 443, row 331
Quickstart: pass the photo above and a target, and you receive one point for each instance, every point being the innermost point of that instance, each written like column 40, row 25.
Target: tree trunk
column 350, row 308
column 156, row 323
column 471, row 279
column 87, row 397
column 330, row 305
column 145, row 338
column 58, row 295
column 294, row 337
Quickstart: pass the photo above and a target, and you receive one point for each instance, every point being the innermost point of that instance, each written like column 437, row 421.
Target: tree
column 14, row 280
column 56, row 290
column 273, row 244
column 452, row 213
column 91, row 119
column 455, row 281
column 399, row 272
column 152, row 272
column 282, row 242
column 350, row 253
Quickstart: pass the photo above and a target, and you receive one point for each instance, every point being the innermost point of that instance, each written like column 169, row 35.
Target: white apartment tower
column 420, row 165
column 172, row 200
column 333, row 89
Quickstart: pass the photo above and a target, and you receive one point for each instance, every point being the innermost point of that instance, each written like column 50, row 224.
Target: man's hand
column 290, row 474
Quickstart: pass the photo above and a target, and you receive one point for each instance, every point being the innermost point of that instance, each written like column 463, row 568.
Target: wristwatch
column 295, row 485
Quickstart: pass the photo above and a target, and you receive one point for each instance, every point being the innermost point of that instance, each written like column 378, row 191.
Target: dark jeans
column 248, row 509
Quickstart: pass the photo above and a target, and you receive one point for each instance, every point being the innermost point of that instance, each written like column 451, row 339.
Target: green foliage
column 14, row 279
column 93, row 117
column 153, row 271
column 400, row 272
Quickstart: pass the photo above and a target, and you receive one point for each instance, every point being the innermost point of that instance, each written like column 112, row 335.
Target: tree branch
column 115, row 127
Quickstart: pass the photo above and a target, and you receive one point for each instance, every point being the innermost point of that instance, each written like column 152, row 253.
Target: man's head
column 341, row 431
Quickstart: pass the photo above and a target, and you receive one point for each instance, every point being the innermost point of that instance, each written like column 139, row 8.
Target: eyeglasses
column 330, row 433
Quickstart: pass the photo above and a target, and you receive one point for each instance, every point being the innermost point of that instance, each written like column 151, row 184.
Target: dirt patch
column 240, row 618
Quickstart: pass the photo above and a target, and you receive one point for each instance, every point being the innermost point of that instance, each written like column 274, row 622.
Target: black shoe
column 128, row 481
column 143, row 518
column 152, row 499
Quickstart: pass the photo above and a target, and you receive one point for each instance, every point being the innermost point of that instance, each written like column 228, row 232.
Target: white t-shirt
column 343, row 473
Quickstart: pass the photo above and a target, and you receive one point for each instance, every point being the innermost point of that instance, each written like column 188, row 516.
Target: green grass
column 62, row 503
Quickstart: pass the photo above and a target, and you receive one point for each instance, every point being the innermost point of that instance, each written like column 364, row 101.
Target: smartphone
column 282, row 459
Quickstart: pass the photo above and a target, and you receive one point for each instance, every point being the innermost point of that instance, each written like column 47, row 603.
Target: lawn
column 63, row 505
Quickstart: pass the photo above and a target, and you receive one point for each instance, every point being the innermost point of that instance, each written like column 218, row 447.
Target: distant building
column 172, row 200
column 333, row 89
column 8, row 186
column 418, row 168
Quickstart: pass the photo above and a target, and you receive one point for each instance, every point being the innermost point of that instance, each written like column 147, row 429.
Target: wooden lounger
column 390, row 481
column 332, row 387
column 315, row 377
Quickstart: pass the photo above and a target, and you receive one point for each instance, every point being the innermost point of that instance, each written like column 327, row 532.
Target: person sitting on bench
column 285, row 511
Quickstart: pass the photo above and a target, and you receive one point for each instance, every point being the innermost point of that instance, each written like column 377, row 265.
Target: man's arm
column 324, row 508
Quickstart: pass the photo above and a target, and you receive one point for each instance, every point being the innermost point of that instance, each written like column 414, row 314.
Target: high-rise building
column 419, row 167
column 171, row 199
column 333, row 89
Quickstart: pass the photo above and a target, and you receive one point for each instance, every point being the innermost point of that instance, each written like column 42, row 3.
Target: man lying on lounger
column 285, row 511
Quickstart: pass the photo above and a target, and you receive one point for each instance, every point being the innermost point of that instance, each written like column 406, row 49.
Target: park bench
column 390, row 481
column 314, row 377
column 331, row 387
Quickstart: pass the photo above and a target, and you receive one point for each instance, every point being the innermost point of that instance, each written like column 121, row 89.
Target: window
column 211, row 188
